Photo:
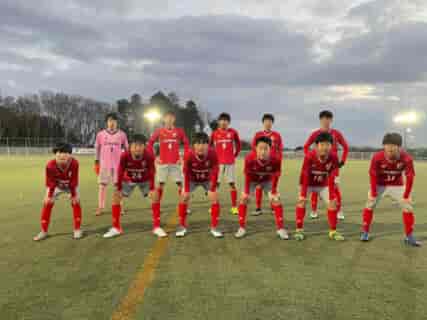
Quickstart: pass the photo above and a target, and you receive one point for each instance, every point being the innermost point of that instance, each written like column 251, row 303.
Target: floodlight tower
column 406, row 120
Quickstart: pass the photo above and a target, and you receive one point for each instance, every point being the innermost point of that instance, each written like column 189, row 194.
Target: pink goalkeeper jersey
column 109, row 146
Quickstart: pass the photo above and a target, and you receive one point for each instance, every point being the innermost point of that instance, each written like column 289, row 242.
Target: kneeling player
column 136, row 169
column 62, row 177
column 317, row 175
column 200, row 170
column 386, row 179
column 262, row 170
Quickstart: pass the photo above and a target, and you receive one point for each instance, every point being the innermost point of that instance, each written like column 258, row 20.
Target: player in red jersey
column 169, row 161
column 227, row 146
column 136, row 170
column 200, row 170
column 326, row 118
column 62, row 177
column 276, row 151
column 318, row 175
column 386, row 179
column 262, row 170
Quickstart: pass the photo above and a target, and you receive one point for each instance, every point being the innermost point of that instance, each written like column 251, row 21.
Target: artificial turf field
column 198, row 277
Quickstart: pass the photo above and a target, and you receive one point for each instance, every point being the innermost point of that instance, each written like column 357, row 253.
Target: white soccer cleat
column 113, row 232
column 241, row 232
column 77, row 234
column 341, row 215
column 283, row 234
column 314, row 215
column 216, row 233
column 181, row 232
column 41, row 236
column 160, row 233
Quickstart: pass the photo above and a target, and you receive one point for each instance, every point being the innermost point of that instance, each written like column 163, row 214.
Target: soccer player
column 227, row 146
column 318, row 175
column 262, row 170
column 62, row 177
column 326, row 118
column 200, row 170
column 109, row 145
column 276, row 151
column 386, row 179
column 169, row 161
column 136, row 170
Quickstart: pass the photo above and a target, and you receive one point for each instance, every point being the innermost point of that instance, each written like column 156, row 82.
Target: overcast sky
column 365, row 60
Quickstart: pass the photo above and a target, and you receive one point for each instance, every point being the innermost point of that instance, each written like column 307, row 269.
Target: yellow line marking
column 126, row 310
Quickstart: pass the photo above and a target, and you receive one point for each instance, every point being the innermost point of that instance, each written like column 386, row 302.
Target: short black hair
column 266, row 140
column 324, row 137
column 200, row 138
column 224, row 116
column 393, row 138
column 169, row 113
column 267, row 116
column 62, row 147
column 138, row 139
column 111, row 115
column 326, row 114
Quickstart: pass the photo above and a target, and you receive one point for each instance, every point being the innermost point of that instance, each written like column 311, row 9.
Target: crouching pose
column 136, row 170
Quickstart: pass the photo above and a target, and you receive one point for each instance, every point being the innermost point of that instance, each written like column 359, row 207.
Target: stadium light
column 406, row 119
column 152, row 116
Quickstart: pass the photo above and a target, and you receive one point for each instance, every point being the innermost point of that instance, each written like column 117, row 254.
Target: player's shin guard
column 243, row 209
column 160, row 193
column 155, row 207
column 332, row 219
column 101, row 196
column 258, row 197
column 278, row 213
column 367, row 217
column 182, row 208
column 233, row 195
column 77, row 216
column 45, row 216
column 314, row 201
column 408, row 221
column 299, row 217
column 338, row 197
column 116, row 212
column 215, row 210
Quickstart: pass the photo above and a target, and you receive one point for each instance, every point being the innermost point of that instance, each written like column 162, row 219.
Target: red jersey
column 385, row 172
column 227, row 145
column 170, row 141
column 276, row 142
column 338, row 140
column 261, row 171
column 62, row 177
column 136, row 170
column 200, row 170
column 318, row 173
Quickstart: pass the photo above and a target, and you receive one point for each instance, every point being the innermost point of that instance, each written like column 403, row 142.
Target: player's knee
column 275, row 202
column 301, row 204
column 332, row 205
column 213, row 197
column 185, row 197
column 244, row 199
column 117, row 197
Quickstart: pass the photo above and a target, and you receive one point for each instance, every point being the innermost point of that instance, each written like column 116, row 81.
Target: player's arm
column 410, row 177
column 125, row 142
column 305, row 173
column 212, row 139
column 121, row 173
column 152, row 171
column 345, row 148
column 237, row 144
column 214, row 173
column 153, row 139
column 373, row 170
column 186, row 172
column 309, row 142
column 50, row 182
column 185, row 141
column 74, row 182
column 97, row 154
column 275, row 177
column 247, row 176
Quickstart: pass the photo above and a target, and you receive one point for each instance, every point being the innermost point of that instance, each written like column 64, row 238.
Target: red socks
column 278, row 213
column 77, row 216
column 408, row 221
column 332, row 219
column 243, row 208
column 233, row 194
column 300, row 215
column 155, row 207
column 116, row 212
column 215, row 209
column 314, row 201
column 182, row 211
column 258, row 197
column 45, row 216
column 367, row 217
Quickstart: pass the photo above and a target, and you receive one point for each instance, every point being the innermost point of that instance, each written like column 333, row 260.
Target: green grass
column 258, row 277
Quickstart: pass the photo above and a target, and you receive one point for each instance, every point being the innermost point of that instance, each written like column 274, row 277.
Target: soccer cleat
column 299, row 235
column 216, row 233
column 335, row 235
column 411, row 241
column 99, row 212
column 113, row 232
column 41, row 236
column 234, row 210
column 241, row 232
column 77, row 234
column 340, row 215
column 283, row 235
column 257, row 212
column 159, row 232
column 364, row 236
column 181, row 232
column 314, row 215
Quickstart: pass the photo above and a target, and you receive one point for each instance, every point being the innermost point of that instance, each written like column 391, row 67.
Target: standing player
column 62, row 177
column 227, row 145
column 200, row 170
column 276, row 151
column 326, row 117
column 386, row 179
column 318, row 175
column 262, row 171
column 169, row 161
column 109, row 145
column 136, row 169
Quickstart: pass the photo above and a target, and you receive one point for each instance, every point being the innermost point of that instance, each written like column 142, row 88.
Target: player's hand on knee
column 244, row 198
column 185, row 196
column 407, row 200
column 153, row 195
column 75, row 200
column 332, row 204
column 213, row 196
column 48, row 200
column 301, row 201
